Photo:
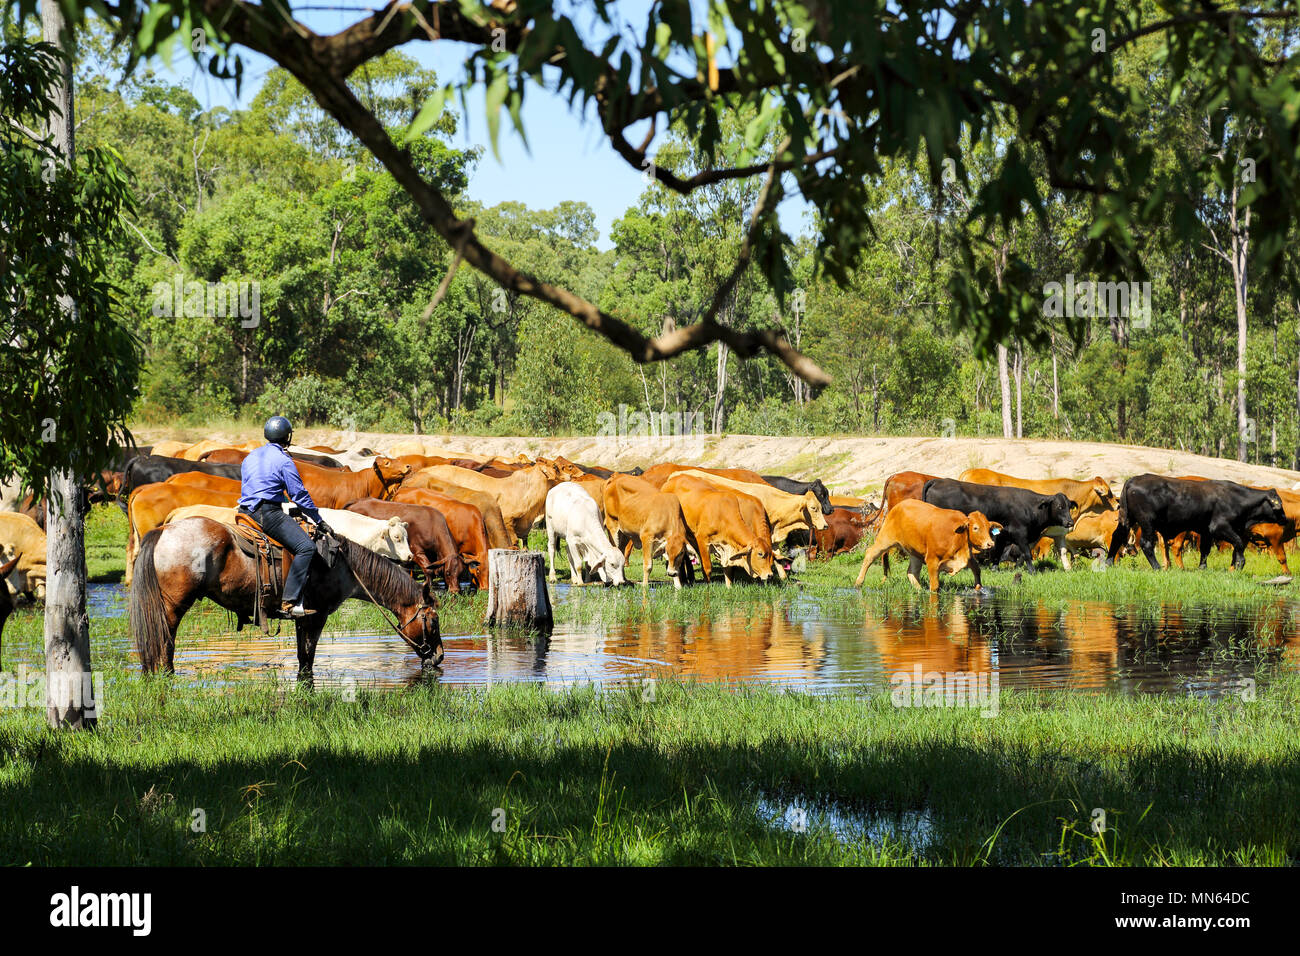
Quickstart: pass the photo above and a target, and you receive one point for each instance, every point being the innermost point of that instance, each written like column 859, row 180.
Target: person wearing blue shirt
column 269, row 477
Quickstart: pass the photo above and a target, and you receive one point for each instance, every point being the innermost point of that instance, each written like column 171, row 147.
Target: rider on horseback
column 268, row 477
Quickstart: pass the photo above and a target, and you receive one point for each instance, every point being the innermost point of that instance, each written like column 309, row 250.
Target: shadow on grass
column 534, row 796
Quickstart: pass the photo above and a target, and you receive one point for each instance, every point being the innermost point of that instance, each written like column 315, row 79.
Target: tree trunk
column 517, row 595
column 69, row 692
column 1240, row 249
column 1020, row 376
column 1005, row 381
column 719, row 406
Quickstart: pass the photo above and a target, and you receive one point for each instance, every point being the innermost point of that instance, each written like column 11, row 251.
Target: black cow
column 1214, row 510
column 6, row 601
column 1025, row 516
column 151, row 468
column 802, row 488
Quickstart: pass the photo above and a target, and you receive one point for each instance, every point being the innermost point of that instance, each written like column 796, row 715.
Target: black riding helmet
column 278, row 430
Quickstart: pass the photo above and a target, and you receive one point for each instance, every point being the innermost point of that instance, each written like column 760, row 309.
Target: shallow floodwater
column 799, row 642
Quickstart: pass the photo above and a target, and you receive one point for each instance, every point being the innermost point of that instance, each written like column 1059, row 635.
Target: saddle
column 271, row 562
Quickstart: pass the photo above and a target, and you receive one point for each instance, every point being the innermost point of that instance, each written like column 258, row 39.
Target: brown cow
column 432, row 545
column 328, row 487
column 844, row 529
column 713, row 517
column 900, row 487
column 465, row 523
column 226, row 456
column 660, row 473
column 498, row 535
column 940, row 538
column 149, row 506
column 638, row 513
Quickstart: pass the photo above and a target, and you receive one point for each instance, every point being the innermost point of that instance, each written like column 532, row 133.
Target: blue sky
column 567, row 158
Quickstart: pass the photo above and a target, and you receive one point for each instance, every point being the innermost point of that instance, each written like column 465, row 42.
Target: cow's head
column 823, row 495
column 1054, row 513
column 391, row 474
column 1097, row 498
column 755, row 560
column 981, row 534
column 814, row 510
column 1271, row 508
column 549, row 471
column 398, row 539
column 609, row 567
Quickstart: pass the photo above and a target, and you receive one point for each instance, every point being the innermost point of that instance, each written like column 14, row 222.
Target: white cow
column 571, row 513
column 386, row 537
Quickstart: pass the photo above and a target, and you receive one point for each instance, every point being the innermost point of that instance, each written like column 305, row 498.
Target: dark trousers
column 280, row 527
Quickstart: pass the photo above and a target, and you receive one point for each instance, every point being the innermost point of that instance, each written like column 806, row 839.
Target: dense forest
column 289, row 218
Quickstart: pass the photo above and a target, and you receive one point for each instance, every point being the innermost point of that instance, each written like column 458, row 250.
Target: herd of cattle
column 442, row 514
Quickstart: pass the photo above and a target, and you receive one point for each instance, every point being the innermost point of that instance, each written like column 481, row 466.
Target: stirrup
column 295, row 610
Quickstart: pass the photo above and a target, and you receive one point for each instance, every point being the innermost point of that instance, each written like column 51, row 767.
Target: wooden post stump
column 517, row 595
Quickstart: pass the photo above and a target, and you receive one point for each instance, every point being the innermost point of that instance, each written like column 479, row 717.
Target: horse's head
column 422, row 631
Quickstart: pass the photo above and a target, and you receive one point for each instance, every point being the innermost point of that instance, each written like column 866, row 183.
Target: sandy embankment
column 849, row 465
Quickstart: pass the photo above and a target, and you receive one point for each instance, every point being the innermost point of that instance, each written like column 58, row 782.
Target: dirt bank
column 849, row 465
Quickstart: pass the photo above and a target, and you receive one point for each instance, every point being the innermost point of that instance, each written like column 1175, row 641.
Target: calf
column 433, row 548
column 940, row 538
column 638, row 513
column 1025, row 516
column 1213, row 510
column 572, row 514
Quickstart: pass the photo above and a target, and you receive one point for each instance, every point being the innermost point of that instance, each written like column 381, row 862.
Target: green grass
column 670, row 773
column 586, row 777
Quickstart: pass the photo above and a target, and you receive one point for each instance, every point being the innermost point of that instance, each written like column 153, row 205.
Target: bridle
column 425, row 648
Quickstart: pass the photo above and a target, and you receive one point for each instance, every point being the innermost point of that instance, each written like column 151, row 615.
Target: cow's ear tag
column 994, row 532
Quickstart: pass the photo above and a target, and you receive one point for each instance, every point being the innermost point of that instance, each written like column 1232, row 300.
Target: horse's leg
column 308, row 636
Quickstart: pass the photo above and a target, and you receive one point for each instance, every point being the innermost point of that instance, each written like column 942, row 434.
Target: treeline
column 276, row 206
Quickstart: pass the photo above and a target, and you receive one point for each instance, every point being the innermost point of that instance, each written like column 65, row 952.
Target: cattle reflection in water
column 844, row 642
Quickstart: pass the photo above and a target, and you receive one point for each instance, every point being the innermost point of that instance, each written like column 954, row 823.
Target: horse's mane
column 386, row 581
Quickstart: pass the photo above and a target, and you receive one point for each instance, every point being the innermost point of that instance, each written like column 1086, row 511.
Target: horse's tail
column 147, row 615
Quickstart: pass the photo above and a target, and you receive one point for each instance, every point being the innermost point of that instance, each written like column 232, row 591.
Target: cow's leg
column 932, row 563
column 914, row 569
column 550, row 550
column 1026, row 554
column 1225, row 532
column 577, row 567
column 1063, row 550
column 975, row 570
column 647, row 549
column 868, row 559
column 1149, row 546
column 706, row 564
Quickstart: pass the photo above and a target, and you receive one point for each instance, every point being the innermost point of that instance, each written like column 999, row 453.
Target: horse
column 198, row 557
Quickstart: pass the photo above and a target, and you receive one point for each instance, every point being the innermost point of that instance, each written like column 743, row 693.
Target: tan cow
column 940, row 538
column 1092, row 530
column 714, row 518
column 522, row 496
column 638, row 513
column 786, row 512
column 149, row 506
column 169, row 448
column 22, row 537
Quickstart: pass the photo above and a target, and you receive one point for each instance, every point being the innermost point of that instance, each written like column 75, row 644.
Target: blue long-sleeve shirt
column 269, row 474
